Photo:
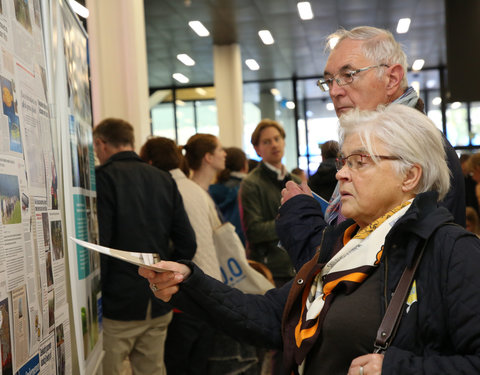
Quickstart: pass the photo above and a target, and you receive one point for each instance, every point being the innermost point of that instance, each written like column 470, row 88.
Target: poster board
column 35, row 335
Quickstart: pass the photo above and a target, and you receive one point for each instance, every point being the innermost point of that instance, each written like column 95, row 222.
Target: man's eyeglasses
column 357, row 161
column 344, row 77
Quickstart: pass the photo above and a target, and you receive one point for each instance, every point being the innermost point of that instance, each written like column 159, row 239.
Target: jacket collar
column 123, row 155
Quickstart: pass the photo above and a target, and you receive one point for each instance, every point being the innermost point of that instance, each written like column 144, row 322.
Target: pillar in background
column 118, row 63
column 227, row 64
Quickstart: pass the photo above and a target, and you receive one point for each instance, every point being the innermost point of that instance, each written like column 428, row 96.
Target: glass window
column 457, row 124
column 475, row 121
column 207, row 117
column 163, row 120
column 185, row 122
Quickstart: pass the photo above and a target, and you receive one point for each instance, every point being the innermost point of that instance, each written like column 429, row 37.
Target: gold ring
column 153, row 287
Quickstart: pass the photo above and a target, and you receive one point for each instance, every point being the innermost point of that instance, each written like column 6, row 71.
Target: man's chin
column 342, row 110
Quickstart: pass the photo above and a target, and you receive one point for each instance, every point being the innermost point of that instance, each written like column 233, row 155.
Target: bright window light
column 180, row 77
column 330, row 107
column 187, row 60
column 179, row 102
column 418, row 64
column 416, row 87
column 290, row 104
column 437, row 100
column 305, row 10
column 266, row 37
column 79, row 9
column 252, row 64
column 403, row 25
column 275, row 92
column 431, row 83
column 198, row 27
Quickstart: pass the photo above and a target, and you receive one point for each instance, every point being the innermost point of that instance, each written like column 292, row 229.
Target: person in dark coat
column 323, row 181
column 392, row 173
column 140, row 210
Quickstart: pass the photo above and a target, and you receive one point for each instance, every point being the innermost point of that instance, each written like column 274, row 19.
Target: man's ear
column 412, row 178
column 395, row 74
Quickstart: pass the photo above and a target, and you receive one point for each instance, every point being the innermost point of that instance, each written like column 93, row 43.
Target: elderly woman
column 392, row 173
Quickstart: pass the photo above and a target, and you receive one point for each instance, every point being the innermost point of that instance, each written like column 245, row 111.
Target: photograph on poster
column 22, row 14
column 10, row 110
column 10, row 199
column 60, row 338
column 51, row 309
column 46, row 232
column 49, row 268
column 5, row 342
column 56, row 236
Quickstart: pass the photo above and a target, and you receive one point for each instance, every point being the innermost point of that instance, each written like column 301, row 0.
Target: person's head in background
column 205, row 157
column 235, row 161
column 473, row 222
column 252, row 163
column 268, row 139
column 367, row 67
column 465, row 164
column 111, row 136
column 163, row 153
column 329, row 150
column 473, row 165
column 300, row 173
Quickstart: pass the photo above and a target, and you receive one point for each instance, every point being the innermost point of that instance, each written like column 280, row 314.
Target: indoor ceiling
column 298, row 50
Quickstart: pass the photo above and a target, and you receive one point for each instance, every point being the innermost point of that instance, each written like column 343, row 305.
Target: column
column 118, row 63
column 227, row 64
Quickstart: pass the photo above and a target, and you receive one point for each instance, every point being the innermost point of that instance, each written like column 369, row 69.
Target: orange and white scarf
column 347, row 269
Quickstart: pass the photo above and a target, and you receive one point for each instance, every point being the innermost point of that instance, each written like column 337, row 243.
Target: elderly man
column 366, row 68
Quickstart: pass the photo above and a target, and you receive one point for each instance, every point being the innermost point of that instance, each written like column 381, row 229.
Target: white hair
column 379, row 46
column 409, row 135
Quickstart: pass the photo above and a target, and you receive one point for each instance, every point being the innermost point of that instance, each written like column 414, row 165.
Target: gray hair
column 379, row 46
column 409, row 135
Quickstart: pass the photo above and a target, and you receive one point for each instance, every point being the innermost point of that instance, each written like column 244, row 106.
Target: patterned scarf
column 332, row 213
column 347, row 269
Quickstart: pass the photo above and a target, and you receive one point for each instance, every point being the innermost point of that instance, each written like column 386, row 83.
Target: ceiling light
column 266, row 37
column 403, row 25
column 330, row 107
column 79, row 8
column 198, row 27
column 179, row 102
column 201, row 91
column 275, row 91
column 187, row 60
column 290, row 104
column 418, row 64
column 252, row 64
column 333, row 42
column 437, row 100
column 180, row 77
column 455, row 105
column 305, row 10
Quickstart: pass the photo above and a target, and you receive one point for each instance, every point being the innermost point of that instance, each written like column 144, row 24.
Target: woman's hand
column 291, row 189
column 370, row 364
column 164, row 284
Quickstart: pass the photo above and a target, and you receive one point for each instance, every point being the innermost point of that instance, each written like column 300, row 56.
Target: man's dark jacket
column 140, row 210
column 440, row 334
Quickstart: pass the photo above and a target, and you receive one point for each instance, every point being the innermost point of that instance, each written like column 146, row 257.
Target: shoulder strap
column 391, row 320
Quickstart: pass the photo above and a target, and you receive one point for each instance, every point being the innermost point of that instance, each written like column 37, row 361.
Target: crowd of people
column 397, row 196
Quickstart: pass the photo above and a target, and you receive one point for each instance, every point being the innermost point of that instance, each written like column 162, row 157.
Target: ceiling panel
column 299, row 45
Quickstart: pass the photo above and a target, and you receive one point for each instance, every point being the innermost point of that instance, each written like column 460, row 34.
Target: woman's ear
column 412, row 178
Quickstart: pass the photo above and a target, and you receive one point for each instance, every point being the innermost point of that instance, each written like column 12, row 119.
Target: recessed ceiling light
column 403, row 25
column 252, row 64
column 201, row 91
column 305, row 10
column 455, row 105
column 266, row 37
column 290, row 104
column 418, row 64
column 180, row 77
column 79, row 8
column 187, row 60
column 198, row 27
column 437, row 100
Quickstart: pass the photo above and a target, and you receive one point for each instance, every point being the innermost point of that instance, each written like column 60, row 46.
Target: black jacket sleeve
column 251, row 318
column 299, row 226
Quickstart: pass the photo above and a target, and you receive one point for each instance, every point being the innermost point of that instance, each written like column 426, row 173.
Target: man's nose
column 336, row 89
